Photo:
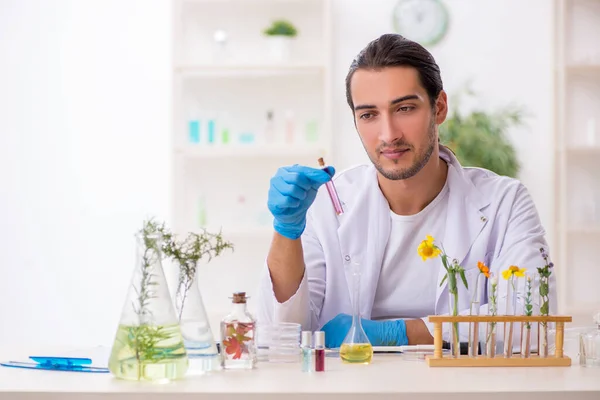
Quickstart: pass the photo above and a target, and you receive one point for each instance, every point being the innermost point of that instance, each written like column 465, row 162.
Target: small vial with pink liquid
column 337, row 204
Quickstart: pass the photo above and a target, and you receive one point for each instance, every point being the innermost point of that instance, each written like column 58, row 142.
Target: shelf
column 584, row 230
column 249, row 70
column 583, row 68
column 221, row 2
column 583, row 150
column 237, row 232
column 251, row 151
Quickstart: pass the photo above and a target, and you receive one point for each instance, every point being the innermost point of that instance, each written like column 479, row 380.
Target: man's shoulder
column 490, row 184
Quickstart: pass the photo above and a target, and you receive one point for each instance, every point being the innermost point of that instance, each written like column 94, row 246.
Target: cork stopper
column 239, row 298
column 321, row 162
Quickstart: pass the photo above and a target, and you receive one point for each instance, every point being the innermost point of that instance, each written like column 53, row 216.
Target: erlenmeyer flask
column 356, row 347
column 148, row 344
column 193, row 320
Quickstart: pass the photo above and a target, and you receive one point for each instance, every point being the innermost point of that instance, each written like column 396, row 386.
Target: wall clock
column 423, row 21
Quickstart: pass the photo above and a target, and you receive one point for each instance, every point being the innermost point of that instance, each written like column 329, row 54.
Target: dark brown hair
column 392, row 50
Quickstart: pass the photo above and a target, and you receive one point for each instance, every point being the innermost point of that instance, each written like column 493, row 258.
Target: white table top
column 388, row 377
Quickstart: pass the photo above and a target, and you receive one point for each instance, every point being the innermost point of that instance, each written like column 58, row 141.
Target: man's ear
column 441, row 108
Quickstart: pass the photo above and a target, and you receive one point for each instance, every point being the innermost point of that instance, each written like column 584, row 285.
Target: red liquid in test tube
column 337, row 204
column 319, row 351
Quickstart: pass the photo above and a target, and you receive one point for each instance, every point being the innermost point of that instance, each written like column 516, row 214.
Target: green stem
column 453, row 289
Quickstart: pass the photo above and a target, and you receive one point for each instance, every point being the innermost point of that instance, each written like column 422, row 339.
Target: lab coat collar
column 369, row 208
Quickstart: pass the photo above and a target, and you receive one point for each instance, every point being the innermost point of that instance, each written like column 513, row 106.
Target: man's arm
column 286, row 266
column 417, row 332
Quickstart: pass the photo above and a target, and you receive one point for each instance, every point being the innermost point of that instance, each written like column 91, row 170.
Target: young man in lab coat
column 413, row 187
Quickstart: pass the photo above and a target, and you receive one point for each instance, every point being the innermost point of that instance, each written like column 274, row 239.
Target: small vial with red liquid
column 319, row 351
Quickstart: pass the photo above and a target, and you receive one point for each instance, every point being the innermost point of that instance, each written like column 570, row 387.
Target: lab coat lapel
column 363, row 234
column 464, row 220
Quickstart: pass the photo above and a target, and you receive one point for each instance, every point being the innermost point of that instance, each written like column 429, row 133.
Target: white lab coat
column 490, row 218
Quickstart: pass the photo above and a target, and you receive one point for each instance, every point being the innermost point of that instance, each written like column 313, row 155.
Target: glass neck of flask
column 356, row 301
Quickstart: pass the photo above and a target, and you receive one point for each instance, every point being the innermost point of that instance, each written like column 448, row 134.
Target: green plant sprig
column 544, row 288
column 150, row 234
column 493, row 303
column 143, row 338
column 189, row 252
column 528, row 300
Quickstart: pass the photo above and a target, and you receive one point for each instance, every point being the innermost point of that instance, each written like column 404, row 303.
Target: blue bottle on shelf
column 194, row 131
column 211, row 131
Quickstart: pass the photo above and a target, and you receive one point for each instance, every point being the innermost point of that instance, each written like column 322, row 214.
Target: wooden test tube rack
column 558, row 359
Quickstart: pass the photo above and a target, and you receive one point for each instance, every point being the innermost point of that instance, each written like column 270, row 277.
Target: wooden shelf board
column 583, row 68
column 583, row 230
column 514, row 361
column 248, row 70
column 251, row 151
column 583, row 150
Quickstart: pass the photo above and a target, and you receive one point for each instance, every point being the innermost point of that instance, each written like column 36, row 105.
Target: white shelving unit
column 577, row 138
column 224, row 152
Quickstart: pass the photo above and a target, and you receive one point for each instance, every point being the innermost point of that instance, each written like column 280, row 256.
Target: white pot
column 279, row 48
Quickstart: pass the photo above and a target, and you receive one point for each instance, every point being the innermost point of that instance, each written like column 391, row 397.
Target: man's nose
column 387, row 131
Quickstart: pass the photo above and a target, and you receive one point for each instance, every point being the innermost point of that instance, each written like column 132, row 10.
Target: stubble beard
column 420, row 162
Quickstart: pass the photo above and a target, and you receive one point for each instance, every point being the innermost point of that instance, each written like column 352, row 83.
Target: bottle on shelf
column 312, row 134
column 270, row 137
column 194, row 124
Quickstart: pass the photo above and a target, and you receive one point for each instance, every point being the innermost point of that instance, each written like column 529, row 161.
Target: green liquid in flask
column 356, row 353
column 145, row 352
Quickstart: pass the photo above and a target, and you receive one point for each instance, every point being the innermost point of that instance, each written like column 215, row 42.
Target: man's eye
column 406, row 108
column 366, row 116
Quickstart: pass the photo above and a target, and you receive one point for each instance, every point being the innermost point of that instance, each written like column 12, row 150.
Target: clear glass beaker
column 193, row 321
column 278, row 342
column 148, row 344
column 589, row 346
column 356, row 347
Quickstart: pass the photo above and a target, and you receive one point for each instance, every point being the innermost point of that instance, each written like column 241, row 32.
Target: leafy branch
column 144, row 338
column 544, row 289
column 150, row 237
column 528, row 301
column 188, row 252
column 493, row 306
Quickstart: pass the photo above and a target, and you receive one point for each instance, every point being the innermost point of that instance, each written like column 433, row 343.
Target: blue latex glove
column 292, row 191
column 380, row 333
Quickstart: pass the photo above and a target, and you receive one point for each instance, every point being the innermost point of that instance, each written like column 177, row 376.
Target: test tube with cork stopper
column 335, row 200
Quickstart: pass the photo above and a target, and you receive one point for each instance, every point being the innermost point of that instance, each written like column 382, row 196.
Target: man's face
column 394, row 119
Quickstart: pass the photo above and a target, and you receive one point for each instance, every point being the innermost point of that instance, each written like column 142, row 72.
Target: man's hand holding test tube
column 293, row 190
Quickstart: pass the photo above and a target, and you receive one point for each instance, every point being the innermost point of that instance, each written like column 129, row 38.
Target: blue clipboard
column 67, row 364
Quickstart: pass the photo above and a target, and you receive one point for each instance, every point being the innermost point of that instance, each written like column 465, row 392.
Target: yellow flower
column 513, row 270
column 427, row 249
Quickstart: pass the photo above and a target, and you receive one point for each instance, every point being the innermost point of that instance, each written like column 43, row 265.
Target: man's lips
column 394, row 153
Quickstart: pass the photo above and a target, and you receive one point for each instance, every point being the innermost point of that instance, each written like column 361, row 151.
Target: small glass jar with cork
column 238, row 329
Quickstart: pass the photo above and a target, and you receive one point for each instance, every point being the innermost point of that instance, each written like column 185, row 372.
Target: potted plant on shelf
column 280, row 35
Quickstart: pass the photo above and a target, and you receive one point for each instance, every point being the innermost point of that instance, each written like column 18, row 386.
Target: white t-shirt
column 403, row 271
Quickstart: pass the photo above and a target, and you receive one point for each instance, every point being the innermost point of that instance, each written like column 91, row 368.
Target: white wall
column 84, row 122
column 84, row 138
